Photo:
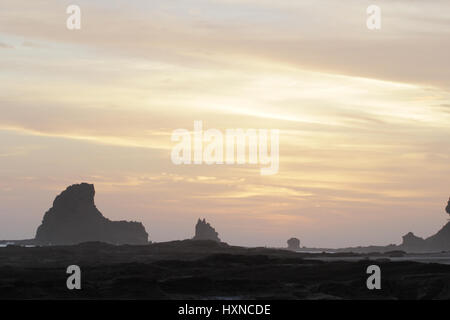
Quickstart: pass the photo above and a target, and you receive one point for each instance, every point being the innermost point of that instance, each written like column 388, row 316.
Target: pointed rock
column 411, row 241
column 204, row 231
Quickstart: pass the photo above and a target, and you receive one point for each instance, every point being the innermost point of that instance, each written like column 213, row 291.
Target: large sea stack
column 204, row 231
column 74, row 218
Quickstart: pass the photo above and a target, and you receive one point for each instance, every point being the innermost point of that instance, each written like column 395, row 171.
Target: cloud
column 411, row 47
column 30, row 44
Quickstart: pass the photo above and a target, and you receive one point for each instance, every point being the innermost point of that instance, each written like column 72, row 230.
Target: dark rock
column 74, row 218
column 204, row 231
column 441, row 240
column 412, row 241
column 293, row 244
column 172, row 270
column 396, row 253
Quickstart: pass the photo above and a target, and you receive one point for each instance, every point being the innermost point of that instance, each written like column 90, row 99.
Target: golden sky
column 364, row 116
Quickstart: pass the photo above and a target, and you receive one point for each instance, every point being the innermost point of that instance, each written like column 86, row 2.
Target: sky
column 364, row 115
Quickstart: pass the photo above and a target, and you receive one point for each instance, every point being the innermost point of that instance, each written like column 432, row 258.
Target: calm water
column 443, row 259
column 26, row 246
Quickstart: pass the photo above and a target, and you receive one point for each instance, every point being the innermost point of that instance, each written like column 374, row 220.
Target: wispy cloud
column 5, row 46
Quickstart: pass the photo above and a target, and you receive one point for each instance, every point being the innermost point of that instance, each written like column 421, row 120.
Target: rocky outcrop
column 411, row 241
column 74, row 218
column 441, row 240
column 204, row 231
column 293, row 244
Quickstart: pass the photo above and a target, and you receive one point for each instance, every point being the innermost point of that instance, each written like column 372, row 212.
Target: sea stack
column 74, row 218
column 204, row 231
column 293, row 244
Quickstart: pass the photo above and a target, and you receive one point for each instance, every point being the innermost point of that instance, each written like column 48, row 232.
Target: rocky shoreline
column 210, row 270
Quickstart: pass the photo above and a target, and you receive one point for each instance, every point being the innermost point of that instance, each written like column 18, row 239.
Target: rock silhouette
column 204, row 231
column 439, row 241
column 412, row 241
column 74, row 218
column 206, row 270
column 293, row 244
